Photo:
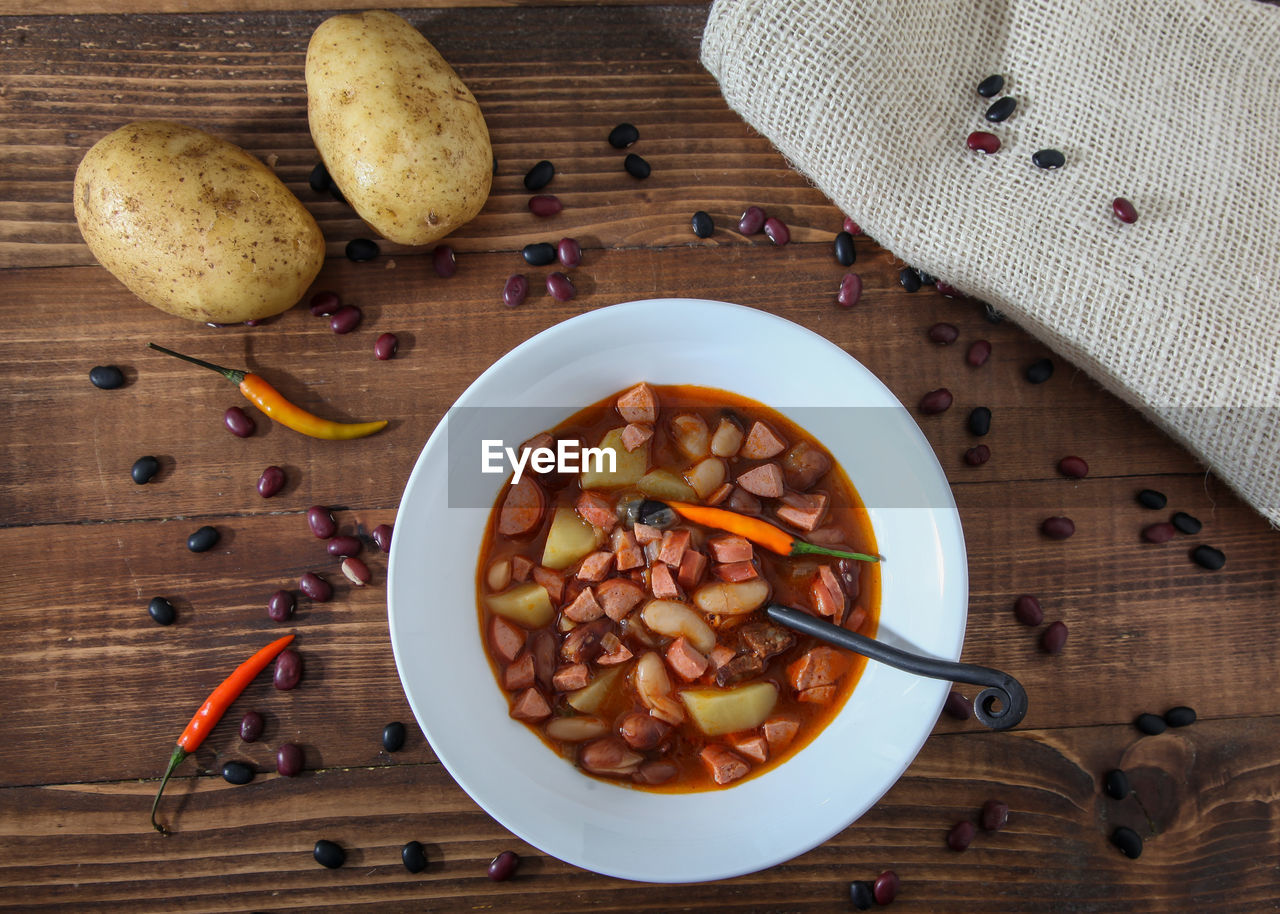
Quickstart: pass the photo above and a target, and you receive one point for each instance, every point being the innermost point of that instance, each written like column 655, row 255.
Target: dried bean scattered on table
column 414, row 857
column 539, row 254
column 909, row 279
column 237, row 773
column 977, row 456
column 1129, row 842
column 1048, row 159
column 545, row 205
column 1159, row 533
column 539, row 176
column 957, row 706
column 623, row 135
column 343, row 546
column 944, row 334
column 1150, row 498
column 161, row 611
column 515, row 290
column 886, row 887
column 345, row 319
column 852, row 227
column 321, row 522
column 845, row 252
column 356, row 571
column 1208, row 557
column 444, row 261
column 1040, row 371
column 271, row 481
column 936, row 401
column 1181, row 716
column 288, row 670
column 982, row 141
column 144, row 470
column 751, row 220
column 503, row 866
column 1028, row 611
column 325, row 303
column 1150, row 724
column 393, row 735
column 636, row 166
column 560, row 287
column 980, row 421
column 1054, row 638
column 862, row 894
column 281, row 606
column 238, row 422
column 1058, row 528
column 979, row 352
column 382, row 537
column 995, row 815
column 1124, row 210
column 1116, row 784
column 991, row 86
column 203, row 539
column 328, row 854
column 1185, row 523
column 360, row 250
column 850, row 290
column 776, row 231
column 106, row 377
column 702, row 224
column 315, row 587
column 961, row 835
column 289, row 760
column 569, row 253
column 319, row 179
column 1074, row 467
column 386, row 346
column 251, row 726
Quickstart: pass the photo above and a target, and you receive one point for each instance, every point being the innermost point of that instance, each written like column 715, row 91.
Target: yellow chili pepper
column 262, row 395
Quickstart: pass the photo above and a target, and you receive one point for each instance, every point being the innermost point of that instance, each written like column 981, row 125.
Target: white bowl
column 688, row 837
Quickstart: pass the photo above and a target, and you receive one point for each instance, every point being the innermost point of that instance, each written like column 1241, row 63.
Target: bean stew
column 635, row 642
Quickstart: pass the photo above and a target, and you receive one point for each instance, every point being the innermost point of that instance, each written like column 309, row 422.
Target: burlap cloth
column 1173, row 104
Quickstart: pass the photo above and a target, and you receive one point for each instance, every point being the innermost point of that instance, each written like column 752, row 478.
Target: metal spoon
column 1000, row 687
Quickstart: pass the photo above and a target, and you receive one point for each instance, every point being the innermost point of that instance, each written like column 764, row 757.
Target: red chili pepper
column 212, row 710
column 760, row 532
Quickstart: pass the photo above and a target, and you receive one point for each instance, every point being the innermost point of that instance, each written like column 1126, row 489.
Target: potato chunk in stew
column 527, row 604
column 721, row 711
column 628, row 466
column 569, row 539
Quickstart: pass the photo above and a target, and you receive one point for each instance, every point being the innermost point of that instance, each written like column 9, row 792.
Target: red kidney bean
column 850, row 290
column 288, row 672
column 886, row 887
column 251, row 726
column 356, row 571
column 1057, row 528
column 957, row 706
column 977, row 456
column 281, row 605
column 238, row 422
column 444, row 261
column 515, row 291
column 382, row 537
column 344, row 546
column 321, row 521
column 545, row 205
column 776, row 231
column 961, row 835
column 1028, row 611
column 752, row 220
column 979, row 352
column 1054, row 638
column 325, row 303
column 1075, row 467
column 503, row 866
column 569, row 253
column 982, row 141
column 946, row 290
column 289, row 760
column 851, row 227
column 271, row 481
column 560, row 287
column 345, row 319
column 1159, row 533
column 1124, row 210
column 316, row 587
column 995, row 815
column 944, row 334
column 936, row 401
column 384, row 348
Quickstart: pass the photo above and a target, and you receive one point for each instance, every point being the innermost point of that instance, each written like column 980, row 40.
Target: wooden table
column 94, row 693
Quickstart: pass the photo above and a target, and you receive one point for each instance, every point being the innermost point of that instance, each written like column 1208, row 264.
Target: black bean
column 909, row 279
column 935, row 401
column 503, row 866
column 162, row 611
column 944, row 334
column 106, row 377
column 1150, row 498
column 926, row 279
column 886, row 887
column 991, row 315
column 957, row 706
column 539, row 255
column 1054, row 638
column 238, row 422
column 325, row 303
column 776, row 231
column 319, row 179
column 336, row 192
column 1181, row 716
column 515, row 290
column 320, row 520
column 251, row 726
column 385, row 347
column 845, row 252
column 995, row 815
column 345, row 319
column 1074, row 467
column 545, row 205
column 636, row 166
column 382, row 537
column 1040, row 371
column 360, row 250
column 144, row 470
column 1048, row 159
column 961, row 835
column 329, row 854
column 203, row 539
column 1027, row 610
column 751, row 221
column 316, row 587
column 539, row 176
column 1159, row 533
column 1208, row 557
column 863, row 894
column 1129, row 842
column 979, row 352
column 1001, row 110
column 1185, row 523
column 1150, row 724
column 1057, row 528
column 980, row 421
column 414, row 857
column 288, row 671
column 444, row 261
column 237, row 773
column 1116, row 784
column 281, row 606
column 289, row 760
column 343, row 546
column 393, row 735
column 702, row 224
column 560, row 287
column 271, row 481
column 977, row 456
column 569, row 253
column 991, row 86
column 623, row 135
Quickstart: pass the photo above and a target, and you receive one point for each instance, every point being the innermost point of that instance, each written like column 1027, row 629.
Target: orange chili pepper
column 760, row 532
column 212, row 710
column 262, row 395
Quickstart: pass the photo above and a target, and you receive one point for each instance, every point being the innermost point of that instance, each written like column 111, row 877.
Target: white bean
column 667, row 617
column 576, row 729
column 731, row 598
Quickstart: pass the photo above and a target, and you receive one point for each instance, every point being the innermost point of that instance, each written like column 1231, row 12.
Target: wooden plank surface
column 95, row 693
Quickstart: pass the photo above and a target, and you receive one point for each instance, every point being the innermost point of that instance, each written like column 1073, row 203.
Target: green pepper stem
column 179, row 755
column 231, row 374
column 800, row 547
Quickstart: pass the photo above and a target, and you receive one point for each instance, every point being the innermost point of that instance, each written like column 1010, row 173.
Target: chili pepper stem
column 231, row 374
column 800, row 547
column 178, row 757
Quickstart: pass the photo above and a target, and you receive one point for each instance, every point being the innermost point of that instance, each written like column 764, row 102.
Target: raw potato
column 526, row 604
column 628, row 466
column 401, row 134
column 721, row 711
column 194, row 225
column 569, row 539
